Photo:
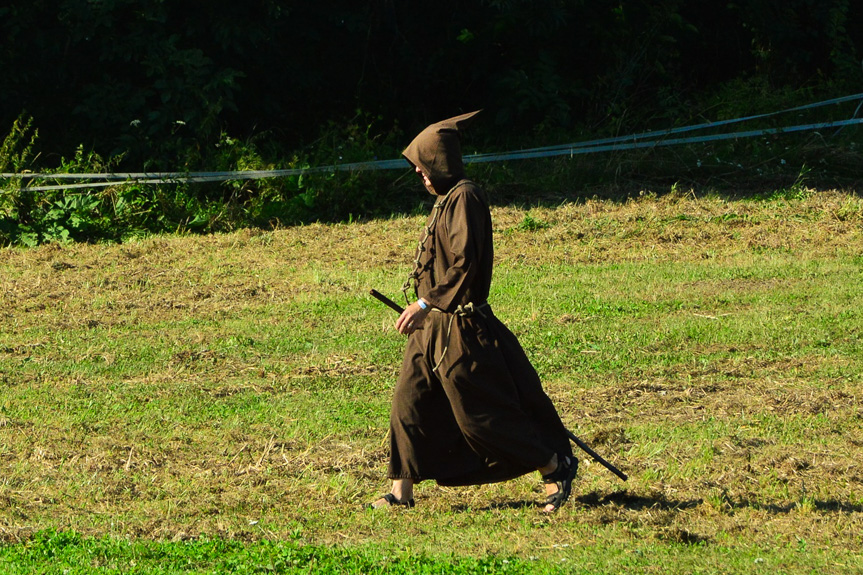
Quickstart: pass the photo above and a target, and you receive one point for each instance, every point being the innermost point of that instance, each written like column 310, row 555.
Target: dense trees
column 160, row 81
column 124, row 85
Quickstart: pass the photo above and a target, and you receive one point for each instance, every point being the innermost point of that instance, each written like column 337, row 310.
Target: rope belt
column 469, row 309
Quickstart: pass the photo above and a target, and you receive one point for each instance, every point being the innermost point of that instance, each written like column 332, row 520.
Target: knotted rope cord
column 414, row 276
column 467, row 310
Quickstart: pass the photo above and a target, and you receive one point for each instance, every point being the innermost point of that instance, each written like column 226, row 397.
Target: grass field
column 219, row 403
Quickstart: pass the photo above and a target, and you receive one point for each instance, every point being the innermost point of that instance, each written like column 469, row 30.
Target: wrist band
column 422, row 304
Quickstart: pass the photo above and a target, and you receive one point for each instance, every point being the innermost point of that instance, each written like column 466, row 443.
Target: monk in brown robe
column 468, row 407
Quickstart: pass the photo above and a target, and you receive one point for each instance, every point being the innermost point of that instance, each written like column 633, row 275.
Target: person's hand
column 411, row 319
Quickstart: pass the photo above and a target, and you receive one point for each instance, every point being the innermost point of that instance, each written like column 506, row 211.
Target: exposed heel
column 563, row 477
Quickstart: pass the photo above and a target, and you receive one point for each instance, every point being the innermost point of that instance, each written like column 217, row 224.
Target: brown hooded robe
column 468, row 407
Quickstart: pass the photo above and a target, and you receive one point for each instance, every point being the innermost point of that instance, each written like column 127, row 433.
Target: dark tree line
column 161, row 81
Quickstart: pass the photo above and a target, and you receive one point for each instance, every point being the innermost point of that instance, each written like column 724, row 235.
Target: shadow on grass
column 828, row 506
column 595, row 499
column 636, row 502
column 500, row 505
column 742, row 173
column 641, row 502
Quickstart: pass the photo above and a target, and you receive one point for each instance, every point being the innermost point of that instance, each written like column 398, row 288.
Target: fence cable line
column 659, row 138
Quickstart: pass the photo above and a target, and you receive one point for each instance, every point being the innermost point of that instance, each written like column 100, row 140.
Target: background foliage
column 178, row 86
column 160, row 81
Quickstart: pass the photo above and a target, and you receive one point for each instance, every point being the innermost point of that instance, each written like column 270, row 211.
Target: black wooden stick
column 387, row 300
column 596, row 456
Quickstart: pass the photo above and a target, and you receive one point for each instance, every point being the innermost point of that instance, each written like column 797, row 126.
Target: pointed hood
column 437, row 152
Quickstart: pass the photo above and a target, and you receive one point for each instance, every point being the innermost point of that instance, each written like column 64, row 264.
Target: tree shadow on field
column 620, row 176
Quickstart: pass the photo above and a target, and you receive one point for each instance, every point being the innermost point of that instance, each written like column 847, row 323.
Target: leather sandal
column 563, row 477
column 392, row 501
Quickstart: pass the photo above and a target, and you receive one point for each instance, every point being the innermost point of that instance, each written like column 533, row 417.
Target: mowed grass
column 224, row 400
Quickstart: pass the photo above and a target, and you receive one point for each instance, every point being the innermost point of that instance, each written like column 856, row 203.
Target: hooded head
column 437, row 152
